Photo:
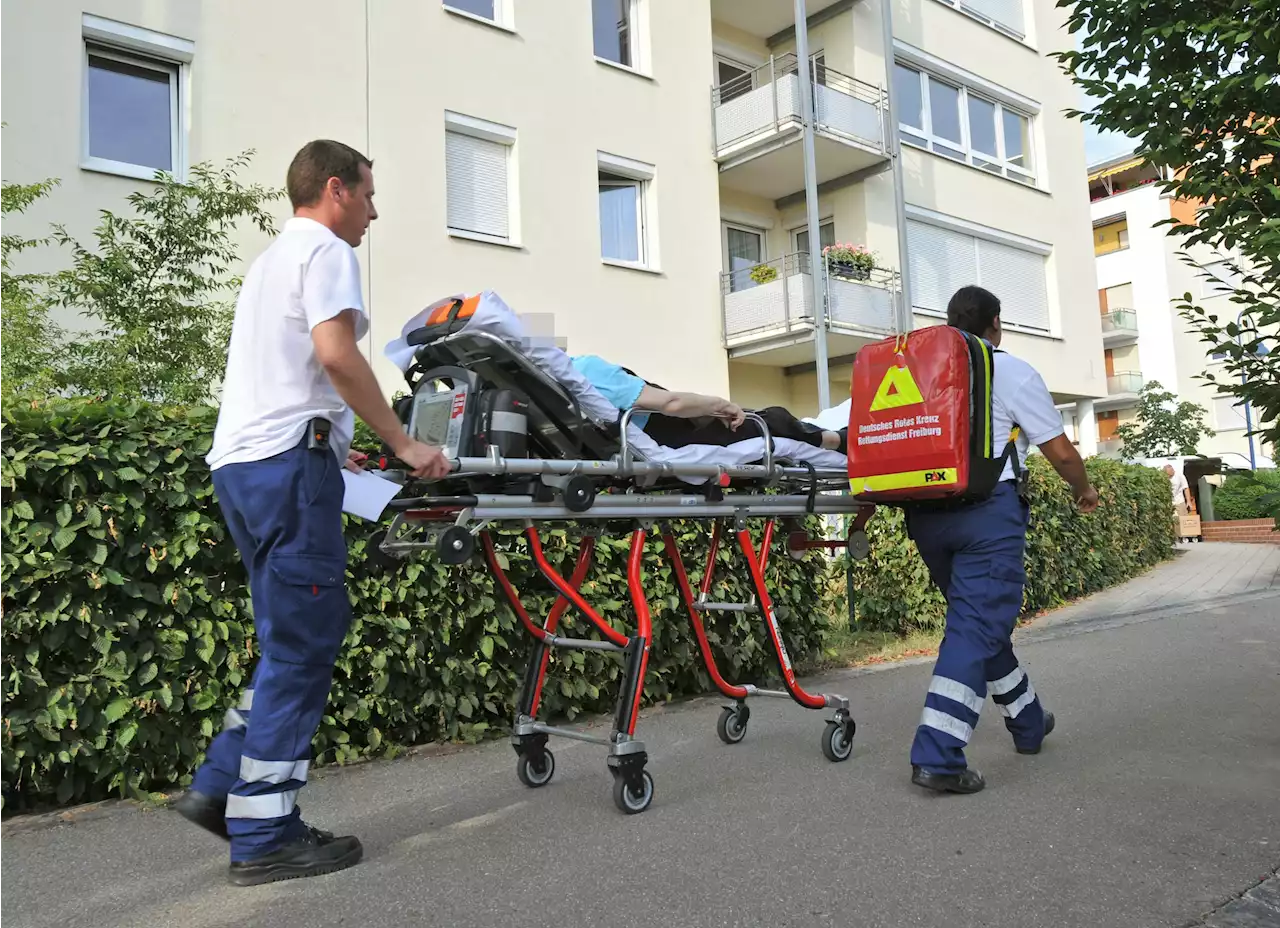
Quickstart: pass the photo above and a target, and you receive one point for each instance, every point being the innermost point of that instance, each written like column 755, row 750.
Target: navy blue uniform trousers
column 285, row 515
column 974, row 555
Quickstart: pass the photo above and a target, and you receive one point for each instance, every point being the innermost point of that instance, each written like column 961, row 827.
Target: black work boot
column 205, row 811
column 1048, row 727
column 315, row 853
column 967, row 780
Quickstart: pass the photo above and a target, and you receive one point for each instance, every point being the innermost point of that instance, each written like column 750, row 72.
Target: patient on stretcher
column 680, row 419
column 705, row 433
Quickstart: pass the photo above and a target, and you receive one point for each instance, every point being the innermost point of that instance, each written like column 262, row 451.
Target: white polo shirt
column 1019, row 397
column 274, row 384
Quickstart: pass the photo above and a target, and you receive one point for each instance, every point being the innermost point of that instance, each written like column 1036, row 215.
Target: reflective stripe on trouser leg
column 1015, row 697
column 222, row 759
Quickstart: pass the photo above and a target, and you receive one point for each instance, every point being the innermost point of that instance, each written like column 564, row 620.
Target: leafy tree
column 1196, row 85
column 30, row 338
column 157, row 287
column 1164, row 427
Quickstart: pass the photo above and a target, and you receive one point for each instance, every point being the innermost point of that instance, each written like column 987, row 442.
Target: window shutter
column 476, row 177
column 1227, row 415
column 1017, row 277
column 942, row 261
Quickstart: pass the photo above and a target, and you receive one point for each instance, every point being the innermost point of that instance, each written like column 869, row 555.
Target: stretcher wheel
column 456, row 545
column 837, row 744
column 630, row 802
column 534, row 776
column 579, row 494
column 858, row 545
column 374, row 556
column 732, row 724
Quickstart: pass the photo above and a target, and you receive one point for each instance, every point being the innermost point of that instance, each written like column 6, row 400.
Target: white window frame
column 637, row 39
column 1003, row 167
column 726, row 225
column 793, row 234
column 503, row 135
column 503, row 14
column 969, row 83
column 1022, row 37
column 748, row 70
column 106, row 38
column 644, row 177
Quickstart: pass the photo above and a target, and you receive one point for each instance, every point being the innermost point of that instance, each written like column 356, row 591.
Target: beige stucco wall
column 272, row 76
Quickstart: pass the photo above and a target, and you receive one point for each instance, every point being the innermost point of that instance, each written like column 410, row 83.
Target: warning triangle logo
column 897, row 389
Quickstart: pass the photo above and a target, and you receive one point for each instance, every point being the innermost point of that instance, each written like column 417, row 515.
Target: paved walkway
column 1202, row 572
column 1156, row 804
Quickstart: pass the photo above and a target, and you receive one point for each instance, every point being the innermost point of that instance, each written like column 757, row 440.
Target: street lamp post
column 1248, row 408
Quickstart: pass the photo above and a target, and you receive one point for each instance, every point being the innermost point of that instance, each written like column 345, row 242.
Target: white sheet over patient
column 496, row 318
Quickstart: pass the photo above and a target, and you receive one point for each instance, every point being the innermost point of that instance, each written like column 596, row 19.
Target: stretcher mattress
column 494, row 317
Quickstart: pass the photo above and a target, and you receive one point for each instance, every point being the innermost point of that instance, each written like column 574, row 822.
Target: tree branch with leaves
column 1196, row 85
column 159, row 286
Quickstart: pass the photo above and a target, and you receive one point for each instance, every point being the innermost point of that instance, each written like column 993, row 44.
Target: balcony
column 1119, row 327
column 1122, row 391
column 758, row 128
column 769, row 315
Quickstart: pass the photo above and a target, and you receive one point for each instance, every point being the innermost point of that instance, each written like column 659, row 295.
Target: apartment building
column 634, row 168
column 1142, row 277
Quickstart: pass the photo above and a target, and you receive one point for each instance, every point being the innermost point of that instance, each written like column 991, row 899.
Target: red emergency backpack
column 920, row 419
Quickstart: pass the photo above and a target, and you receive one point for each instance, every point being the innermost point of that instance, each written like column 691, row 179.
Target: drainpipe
column 905, row 318
column 817, row 271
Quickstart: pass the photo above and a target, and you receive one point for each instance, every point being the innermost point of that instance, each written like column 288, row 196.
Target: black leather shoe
column 1048, row 727
column 205, row 811
column 315, row 853
column 967, row 780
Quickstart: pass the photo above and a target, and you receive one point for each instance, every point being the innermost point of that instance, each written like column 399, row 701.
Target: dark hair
column 974, row 310
column 315, row 163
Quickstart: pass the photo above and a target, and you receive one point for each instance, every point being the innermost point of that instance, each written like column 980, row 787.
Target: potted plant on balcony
column 764, row 273
column 852, row 262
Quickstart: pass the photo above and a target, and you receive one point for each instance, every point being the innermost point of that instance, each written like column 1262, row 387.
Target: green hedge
column 1241, row 495
column 127, row 630
column 1068, row 555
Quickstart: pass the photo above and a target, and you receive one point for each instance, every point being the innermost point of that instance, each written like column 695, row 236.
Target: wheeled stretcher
column 530, row 449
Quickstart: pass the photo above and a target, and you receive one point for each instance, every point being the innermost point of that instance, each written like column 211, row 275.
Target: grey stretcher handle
column 625, row 447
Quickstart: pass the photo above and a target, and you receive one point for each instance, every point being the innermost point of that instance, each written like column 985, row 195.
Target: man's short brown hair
column 315, row 163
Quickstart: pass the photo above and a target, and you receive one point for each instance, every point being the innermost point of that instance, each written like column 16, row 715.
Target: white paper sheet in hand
column 366, row 494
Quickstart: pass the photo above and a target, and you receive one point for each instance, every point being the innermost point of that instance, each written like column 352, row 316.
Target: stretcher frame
column 625, row 494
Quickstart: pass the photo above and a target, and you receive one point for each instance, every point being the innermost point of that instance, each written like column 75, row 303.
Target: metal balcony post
column 773, row 92
column 807, row 120
column 895, row 153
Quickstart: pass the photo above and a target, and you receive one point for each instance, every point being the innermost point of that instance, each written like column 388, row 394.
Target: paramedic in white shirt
column 294, row 376
column 974, row 552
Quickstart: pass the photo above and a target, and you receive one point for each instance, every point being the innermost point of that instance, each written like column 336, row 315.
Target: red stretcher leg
column 638, row 648
column 699, row 630
column 536, row 672
column 770, row 620
column 565, row 589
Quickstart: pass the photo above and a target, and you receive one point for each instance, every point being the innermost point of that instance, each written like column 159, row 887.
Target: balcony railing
column 1124, row 382
column 775, row 298
column 1120, row 320
column 763, row 102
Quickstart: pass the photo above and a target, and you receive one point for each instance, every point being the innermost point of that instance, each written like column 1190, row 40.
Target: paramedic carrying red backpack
column 920, row 421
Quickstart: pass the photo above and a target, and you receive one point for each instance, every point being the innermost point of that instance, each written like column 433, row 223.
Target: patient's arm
column 690, row 405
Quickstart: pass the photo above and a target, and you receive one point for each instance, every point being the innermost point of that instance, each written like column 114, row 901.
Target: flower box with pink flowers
column 852, row 262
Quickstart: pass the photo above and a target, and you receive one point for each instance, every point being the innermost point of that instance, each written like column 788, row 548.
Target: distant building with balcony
column 1142, row 277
